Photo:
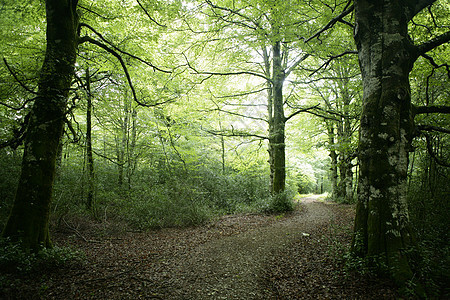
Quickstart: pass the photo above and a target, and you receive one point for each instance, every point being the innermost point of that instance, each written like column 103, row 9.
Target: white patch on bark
column 394, row 232
column 389, row 112
column 390, row 38
column 383, row 136
column 375, row 193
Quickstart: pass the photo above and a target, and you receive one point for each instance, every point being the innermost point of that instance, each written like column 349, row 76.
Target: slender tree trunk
column 270, row 149
column 122, row 143
column 28, row 221
column 276, row 137
column 90, row 157
column 382, row 229
column 132, row 160
column 333, row 156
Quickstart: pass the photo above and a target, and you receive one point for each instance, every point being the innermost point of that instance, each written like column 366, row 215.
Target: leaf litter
column 246, row 256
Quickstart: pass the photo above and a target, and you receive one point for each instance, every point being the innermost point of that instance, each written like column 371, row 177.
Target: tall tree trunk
column 132, row 159
column 276, row 137
column 382, row 228
column 333, row 156
column 89, row 155
column 268, row 72
column 28, row 221
column 123, row 142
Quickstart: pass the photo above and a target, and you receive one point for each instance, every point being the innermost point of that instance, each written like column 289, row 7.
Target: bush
column 282, row 202
column 15, row 260
column 9, row 177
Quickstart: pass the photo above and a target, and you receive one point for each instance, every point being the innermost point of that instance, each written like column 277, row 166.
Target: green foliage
column 282, row 202
column 305, row 183
column 9, row 176
column 430, row 214
column 168, row 205
column 15, row 260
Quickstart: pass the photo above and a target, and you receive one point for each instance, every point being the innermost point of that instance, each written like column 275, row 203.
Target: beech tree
column 386, row 57
column 270, row 31
column 28, row 221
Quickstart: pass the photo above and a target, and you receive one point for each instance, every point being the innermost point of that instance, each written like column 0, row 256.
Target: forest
column 224, row 149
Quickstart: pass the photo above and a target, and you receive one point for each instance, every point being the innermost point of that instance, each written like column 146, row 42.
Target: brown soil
column 295, row 256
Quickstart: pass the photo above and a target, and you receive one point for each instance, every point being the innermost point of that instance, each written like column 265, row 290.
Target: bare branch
column 148, row 15
column 305, row 109
column 433, row 128
column 329, row 60
column 432, row 109
column 225, row 73
column 234, row 133
column 124, row 67
column 17, row 79
column 123, row 52
column 300, row 60
column 432, row 154
column 331, row 23
column 431, row 44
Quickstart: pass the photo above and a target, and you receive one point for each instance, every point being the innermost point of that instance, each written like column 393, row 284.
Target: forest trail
column 234, row 267
column 246, row 256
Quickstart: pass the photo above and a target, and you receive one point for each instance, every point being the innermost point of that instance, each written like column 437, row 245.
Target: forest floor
column 248, row 256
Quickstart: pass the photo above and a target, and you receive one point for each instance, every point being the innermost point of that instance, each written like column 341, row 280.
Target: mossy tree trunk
column 274, row 70
column 333, row 155
column 28, row 221
column 386, row 57
column 276, row 135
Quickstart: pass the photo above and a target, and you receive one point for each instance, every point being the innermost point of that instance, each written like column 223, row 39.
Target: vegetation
column 158, row 114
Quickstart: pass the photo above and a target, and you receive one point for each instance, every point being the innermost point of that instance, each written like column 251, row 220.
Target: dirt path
column 233, row 267
column 235, row 257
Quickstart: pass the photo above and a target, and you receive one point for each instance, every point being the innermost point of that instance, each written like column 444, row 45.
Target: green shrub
column 10, row 162
column 282, row 202
column 15, row 260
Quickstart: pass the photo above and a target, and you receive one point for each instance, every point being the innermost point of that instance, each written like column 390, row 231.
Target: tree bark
column 89, row 154
column 28, row 221
column 333, row 156
column 276, row 137
column 382, row 228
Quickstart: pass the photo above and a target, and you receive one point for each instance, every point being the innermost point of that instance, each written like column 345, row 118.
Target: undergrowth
column 13, row 258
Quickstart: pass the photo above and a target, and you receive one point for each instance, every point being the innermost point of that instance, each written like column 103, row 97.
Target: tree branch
column 300, row 60
column 234, row 133
column 148, row 15
column 17, row 79
column 225, row 73
column 305, row 109
column 432, row 154
column 234, row 114
column 325, row 64
column 432, row 109
column 418, row 5
column 123, row 52
column 433, row 128
column 331, row 23
column 125, row 69
column 431, row 44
